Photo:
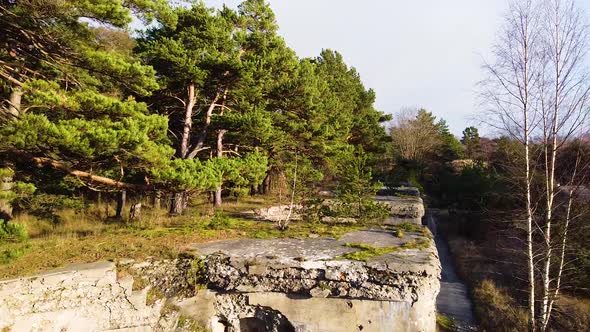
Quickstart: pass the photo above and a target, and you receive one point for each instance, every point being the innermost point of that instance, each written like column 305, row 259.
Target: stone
column 320, row 292
column 299, row 278
column 403, row 209
column 81, row 297
column 125, row 261
column 278, row 213
column 302, row 285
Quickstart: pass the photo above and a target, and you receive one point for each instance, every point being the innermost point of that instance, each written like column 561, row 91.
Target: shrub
column 12, row 232
column 497, row 310
column 571, row 314
column 219, row 221
column 445, row 323
column 10, row 254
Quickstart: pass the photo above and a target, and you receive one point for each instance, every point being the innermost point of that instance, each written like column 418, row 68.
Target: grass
column 410, row 228
column 366, row 251
column 189, row 324
column 82, row 237
column 444, row 323
column 153, row 295
column 497, row 309
column 89, row 236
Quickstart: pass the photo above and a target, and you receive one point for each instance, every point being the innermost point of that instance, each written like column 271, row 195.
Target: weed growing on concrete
column 153, row 296
column 188, row 324
column 197, row 275
column 445, row 323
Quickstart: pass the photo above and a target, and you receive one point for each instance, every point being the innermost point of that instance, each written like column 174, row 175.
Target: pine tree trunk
column 184, row 201
column 121, row 200
column 266, row 184
column 15, row 101
column 188, row 121
column 157, row 200
column 203, row 135
column 135, row 212
column 217, row 201
column 177, row 204
column 6, row 184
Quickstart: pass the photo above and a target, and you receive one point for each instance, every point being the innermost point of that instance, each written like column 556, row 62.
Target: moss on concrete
column 367, row 251
column 445, row 323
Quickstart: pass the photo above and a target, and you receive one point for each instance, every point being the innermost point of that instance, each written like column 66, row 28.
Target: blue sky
column 413, row 53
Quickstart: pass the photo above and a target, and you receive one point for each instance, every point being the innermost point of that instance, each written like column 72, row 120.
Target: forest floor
column 87, row 236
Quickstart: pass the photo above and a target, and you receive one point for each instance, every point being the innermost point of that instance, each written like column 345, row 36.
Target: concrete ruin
column 403, row 209
column 371, row 280
column 308, row 285
column 252, row 285
column 85, row 297
column 405, row 205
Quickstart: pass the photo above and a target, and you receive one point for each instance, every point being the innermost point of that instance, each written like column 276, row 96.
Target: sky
column 413, row 53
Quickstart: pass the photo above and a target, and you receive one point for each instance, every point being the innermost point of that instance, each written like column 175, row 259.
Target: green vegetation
column 13, row 241
column 497, row 309
column 444, row 323
column 367, row 251
column 154, row 295
column 86, row 237
column 197, row 274
column 191, row 325
column 204, row 102
column 204, row 108
column 407, row 227
column 12, row 232
column 208, row 112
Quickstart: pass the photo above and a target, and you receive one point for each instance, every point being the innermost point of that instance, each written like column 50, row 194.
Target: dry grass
column 490, row 267
column 87, row 236
column 572, row 314
column 497, row 310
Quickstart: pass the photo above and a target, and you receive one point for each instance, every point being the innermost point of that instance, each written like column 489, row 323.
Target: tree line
column 202, row 100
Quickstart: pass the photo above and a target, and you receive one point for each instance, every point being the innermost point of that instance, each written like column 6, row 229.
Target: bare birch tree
column 565, row 90
column 509, row 92
column 538, row 87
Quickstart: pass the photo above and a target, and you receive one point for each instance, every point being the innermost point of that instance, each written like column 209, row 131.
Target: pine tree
column 68, row 94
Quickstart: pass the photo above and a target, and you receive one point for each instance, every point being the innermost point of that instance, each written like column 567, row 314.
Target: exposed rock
column 320, row 292
column 303, row 285
column 404, row 203
column 85, row 297
column 300, row 265
column 403, row 209
column 308, row 283
column 279, row 212
column 173, row 278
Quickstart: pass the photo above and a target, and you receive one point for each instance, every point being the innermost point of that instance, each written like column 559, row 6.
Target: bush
column 497, row 310
column 219, row 221
column 46, row 205
column 9, row 255
column 571, row 314
column 12, row 232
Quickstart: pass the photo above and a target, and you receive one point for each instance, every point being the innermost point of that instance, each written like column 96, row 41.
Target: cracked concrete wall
column 219, row 310
column 85, row 297
column 308, row 283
